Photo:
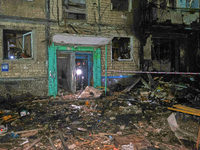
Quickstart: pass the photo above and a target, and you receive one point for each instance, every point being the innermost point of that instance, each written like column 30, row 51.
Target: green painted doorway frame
column 52, row 65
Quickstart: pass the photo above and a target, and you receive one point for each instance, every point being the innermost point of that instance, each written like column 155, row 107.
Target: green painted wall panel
column 97, row 67
column 106, row 59
column 52, row 71
column 94, row 68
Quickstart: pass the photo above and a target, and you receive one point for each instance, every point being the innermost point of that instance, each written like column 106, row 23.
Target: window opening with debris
column 75, row 9
column 119, row 5
column 121, row 48
column 17, row 44
column 188, row 3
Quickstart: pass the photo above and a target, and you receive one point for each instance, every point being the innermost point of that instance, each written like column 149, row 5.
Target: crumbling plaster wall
column 147, row 48
column 23, row 8
column 177, row 16
column 24, row 70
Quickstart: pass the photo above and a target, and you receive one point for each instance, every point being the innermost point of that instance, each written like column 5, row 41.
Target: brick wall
column 56, row 9
column 107, row 15
column 23, row 8
column 32, row 73
column 27, row 68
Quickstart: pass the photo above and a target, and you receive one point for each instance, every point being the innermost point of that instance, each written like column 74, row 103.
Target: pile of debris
column 134, row 118
column 162, row 90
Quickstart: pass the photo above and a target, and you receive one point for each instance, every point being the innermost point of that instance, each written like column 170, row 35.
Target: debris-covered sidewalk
column 136, row 117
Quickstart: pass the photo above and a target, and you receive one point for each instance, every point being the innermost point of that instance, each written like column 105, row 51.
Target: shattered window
column 17, row 44
column 120, row 5
column 121, row 48
column 75, row 9
column 188, row 3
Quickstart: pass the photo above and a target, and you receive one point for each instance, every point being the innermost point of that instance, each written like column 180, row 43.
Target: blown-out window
column 121, row 48
column 17, row 44
column 121, row 5
column 75, row 9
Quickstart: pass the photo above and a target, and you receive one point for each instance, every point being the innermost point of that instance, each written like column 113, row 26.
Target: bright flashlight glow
column 11, row 57
column 78, row 72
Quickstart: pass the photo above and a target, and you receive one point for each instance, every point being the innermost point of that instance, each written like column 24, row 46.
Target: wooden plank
column 184, row 111
column 187, row 108
column 25, row 131
column 35, row 142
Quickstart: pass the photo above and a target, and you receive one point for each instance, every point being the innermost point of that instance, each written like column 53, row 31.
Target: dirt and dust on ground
column 134, row 117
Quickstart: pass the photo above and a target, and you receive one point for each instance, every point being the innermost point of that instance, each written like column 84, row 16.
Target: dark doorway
column 63, row 71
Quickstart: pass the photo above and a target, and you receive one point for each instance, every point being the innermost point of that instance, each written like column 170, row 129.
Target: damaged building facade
column 70, row 44
column 46, row 44
column 23, row 52
column 170, row 35
column 96, row 37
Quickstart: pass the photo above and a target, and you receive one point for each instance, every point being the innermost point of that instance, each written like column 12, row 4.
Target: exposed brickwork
column 107, row 16
column 23, row 8
column 31, row 67
column 26, row 68
column 113, row 24
column 34, row 86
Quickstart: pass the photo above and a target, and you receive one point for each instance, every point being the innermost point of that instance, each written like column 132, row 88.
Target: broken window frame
column 23, row 35
column 131, row 49
column 76, row 12
column 129, row 8
column 29, row 33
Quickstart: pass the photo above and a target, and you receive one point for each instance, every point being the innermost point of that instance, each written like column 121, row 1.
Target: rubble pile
column 134, row 118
